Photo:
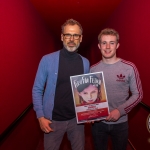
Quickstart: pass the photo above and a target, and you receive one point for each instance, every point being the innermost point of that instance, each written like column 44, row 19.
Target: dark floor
column 88, row 142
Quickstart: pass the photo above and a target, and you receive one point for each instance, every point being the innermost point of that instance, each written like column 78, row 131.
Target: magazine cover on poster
column 90, row 97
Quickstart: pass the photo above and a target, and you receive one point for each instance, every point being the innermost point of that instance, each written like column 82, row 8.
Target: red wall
column 24, row 39
column 138, row 131
column 132, row 20
column 25, row 136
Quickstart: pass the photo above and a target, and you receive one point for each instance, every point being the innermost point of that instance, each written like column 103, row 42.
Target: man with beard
column 52, row 95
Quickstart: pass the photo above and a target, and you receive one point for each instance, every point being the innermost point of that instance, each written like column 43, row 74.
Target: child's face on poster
column 89, row 94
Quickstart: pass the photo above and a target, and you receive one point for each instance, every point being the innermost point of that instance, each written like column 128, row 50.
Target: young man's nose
column 108, row 45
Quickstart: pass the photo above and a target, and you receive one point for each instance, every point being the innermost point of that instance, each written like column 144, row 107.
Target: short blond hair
column 108, row 31
column 71, row 22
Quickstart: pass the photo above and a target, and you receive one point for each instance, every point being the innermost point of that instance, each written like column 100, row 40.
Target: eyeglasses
column 75, row 36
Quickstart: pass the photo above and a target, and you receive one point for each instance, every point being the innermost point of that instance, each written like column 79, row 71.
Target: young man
column 120, row 77
column 52, row 94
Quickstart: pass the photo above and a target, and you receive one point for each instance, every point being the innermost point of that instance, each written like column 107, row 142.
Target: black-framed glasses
column 75, row 36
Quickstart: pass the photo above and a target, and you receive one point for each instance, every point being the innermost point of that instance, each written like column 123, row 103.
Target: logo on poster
column 85, row 80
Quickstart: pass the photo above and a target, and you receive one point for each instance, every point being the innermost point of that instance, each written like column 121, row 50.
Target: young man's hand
column 113, row 116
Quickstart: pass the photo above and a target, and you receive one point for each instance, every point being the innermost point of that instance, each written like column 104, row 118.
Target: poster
column 90, row 97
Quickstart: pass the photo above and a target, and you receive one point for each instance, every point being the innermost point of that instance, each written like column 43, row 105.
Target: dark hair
column 81, row 87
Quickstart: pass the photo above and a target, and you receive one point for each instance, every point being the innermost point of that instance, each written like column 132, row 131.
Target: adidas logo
column 121, row 78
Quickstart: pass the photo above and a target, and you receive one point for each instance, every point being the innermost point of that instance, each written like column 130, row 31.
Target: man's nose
column 72, row 38
column 107, row 45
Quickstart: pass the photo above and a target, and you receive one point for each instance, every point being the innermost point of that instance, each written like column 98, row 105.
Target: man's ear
column 81, row 38
column 62, row 37
column 118, row 44
column 99, row 46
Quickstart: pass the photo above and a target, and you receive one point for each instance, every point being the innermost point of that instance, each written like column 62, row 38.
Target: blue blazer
column 43, row 91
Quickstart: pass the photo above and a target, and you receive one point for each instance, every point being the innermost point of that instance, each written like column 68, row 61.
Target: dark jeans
column 117, row 132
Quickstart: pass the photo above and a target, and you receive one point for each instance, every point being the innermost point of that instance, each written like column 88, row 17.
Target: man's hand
column 45, row 125
column 113, row 116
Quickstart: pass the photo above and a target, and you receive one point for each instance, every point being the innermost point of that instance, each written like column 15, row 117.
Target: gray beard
column 72, row 49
